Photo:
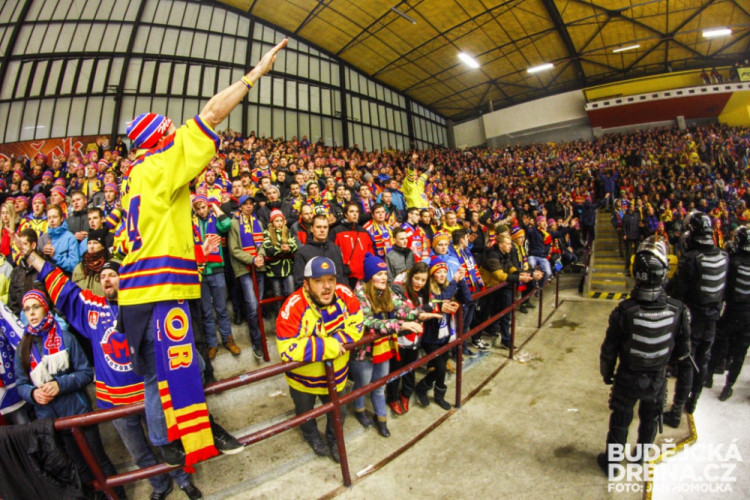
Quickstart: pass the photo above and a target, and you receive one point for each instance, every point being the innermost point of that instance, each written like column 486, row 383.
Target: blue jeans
column 543, row 265
column 251, row 305
column 131, row 432
column 282, row 286
column 364, row 372
column 214, row 298
column 155, row 421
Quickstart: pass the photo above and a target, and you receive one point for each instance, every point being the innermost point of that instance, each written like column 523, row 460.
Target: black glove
column 608, row 379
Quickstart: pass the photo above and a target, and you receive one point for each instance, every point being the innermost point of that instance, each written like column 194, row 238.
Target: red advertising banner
column 52, row 148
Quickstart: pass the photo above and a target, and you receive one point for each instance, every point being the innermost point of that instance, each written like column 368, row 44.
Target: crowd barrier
column 108, row 483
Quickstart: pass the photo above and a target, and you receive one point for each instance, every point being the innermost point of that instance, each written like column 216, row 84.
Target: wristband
column 247, row 82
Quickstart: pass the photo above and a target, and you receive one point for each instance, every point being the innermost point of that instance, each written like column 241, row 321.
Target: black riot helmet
column 742, row 239
column 650, row 269
column 699, row 229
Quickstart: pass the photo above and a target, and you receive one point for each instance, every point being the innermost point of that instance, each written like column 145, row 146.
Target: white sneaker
column 480, row 344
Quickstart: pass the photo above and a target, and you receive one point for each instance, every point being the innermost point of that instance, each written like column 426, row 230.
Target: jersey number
column 134, row 235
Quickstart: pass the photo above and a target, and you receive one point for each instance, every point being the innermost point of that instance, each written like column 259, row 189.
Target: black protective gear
column 650, row 269
column 700, row 228
column 742, row 239
column 650, row 335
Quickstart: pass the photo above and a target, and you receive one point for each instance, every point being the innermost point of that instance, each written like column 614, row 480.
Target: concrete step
column 607, row 267
column 603, row 274
column 608, row 260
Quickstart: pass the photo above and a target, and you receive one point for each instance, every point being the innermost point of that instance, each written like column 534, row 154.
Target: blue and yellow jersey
column 159, row 249
column 305, row 332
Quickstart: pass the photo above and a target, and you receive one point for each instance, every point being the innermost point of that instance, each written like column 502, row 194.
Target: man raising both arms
column 159, row 273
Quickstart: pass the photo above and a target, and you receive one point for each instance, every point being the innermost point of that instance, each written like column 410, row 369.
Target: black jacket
column 314, row 249
column 34, row 466
column 21, row 281
column 630, row 226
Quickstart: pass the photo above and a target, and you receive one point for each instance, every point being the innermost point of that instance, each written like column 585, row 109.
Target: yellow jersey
column 159, row 249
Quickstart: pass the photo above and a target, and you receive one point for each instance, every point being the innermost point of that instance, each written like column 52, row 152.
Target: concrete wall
column 469, row 134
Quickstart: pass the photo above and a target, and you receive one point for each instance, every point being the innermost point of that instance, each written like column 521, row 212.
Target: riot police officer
column 699, row 282
column 734, row 325
column 645, row 332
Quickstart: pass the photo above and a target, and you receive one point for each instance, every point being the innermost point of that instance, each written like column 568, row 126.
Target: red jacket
column 354, row 242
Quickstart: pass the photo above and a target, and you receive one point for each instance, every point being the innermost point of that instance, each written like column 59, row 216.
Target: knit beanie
column 276, row 213
column 436, row 263
column 517, row 233
column 35, row 295
column 373, row 265
column 146, row 129
column 440, row 236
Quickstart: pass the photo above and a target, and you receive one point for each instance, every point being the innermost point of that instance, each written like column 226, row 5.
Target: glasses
column 34, row 307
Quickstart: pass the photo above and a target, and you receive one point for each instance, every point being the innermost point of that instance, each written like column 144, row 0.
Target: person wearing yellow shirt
column 159, row 273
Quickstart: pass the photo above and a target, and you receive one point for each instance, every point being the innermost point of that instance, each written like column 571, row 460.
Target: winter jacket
column 499, row 267
column 33, row 465
column 354, row 242
column 78, row 221
column 630, row 227
column 398, row 261
column 433, row 327
column 315, row 249
column 278, row 264
column 67, row 255
column 535, row 242
column 72, row 399
column 21, row 281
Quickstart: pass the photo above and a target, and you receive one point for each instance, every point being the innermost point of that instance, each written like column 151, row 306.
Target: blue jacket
column 67, row 252
column 72, row 399
column 535, row 241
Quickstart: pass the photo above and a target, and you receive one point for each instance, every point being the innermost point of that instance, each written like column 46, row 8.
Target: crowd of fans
column 413, row 234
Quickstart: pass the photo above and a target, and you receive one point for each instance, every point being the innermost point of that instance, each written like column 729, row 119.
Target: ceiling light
column 717, row 32
column 402, row 14
column 629, row 47
column 468, row 60
column 541, row 67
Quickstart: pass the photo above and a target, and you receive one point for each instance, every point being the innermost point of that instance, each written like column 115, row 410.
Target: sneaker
column 405, row 403
column 232, row 347
column 319, row 447
column 726, row 393
column 163, row 495
column 212, row 352
column 335, row 452
column 173, row 453
column 192, row 492
column 363, row 418
column 396, row 407
column 468, row 352
column 257, row 352
column 479, row 344
column 225, row 442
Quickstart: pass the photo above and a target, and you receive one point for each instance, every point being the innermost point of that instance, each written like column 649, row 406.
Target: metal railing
column 108, row 483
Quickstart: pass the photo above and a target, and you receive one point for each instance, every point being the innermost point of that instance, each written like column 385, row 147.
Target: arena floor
column 530, row 430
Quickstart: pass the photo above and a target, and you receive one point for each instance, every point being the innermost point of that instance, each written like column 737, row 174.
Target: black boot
column 382, row 427
column 726, row 393
column 709, row 382
column 237, row 318
column 673, row 416
column 363, row 418
column 440, row 398
column 421, row 392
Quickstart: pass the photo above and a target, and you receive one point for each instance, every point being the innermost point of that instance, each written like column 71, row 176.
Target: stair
column 606, row 277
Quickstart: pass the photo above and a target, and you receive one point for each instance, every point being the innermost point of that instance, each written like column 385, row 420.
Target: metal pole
column 88, row 456
column 261, row 325
column 460, row 354
column 557, row 290
column 513, row 322
column 541, row 301
column 338, row 423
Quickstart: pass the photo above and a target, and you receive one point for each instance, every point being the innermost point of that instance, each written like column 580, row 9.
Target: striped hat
column 440, row 236
column 200, row 198
column 541, row 218
column 146, row 129
column 110, row 185
column 59, row 182
column 39, row 196
column 517, row 232
column 436, row 263
column 59, row 190
column 35, row 295
column 47, row 174
column 24, row 200
column 103, row 164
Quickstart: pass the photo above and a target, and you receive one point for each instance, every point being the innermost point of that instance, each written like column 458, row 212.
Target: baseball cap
column 318, row 267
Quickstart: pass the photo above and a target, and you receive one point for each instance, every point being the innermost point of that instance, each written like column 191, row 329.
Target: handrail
column 334, row 404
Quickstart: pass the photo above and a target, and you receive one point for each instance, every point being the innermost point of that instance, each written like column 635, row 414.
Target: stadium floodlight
column 541, row 67
column 629, row 47
column 468, row 60
column 716, row 32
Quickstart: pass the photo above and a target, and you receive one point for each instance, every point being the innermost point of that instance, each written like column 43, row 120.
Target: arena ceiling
column 506, row 38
